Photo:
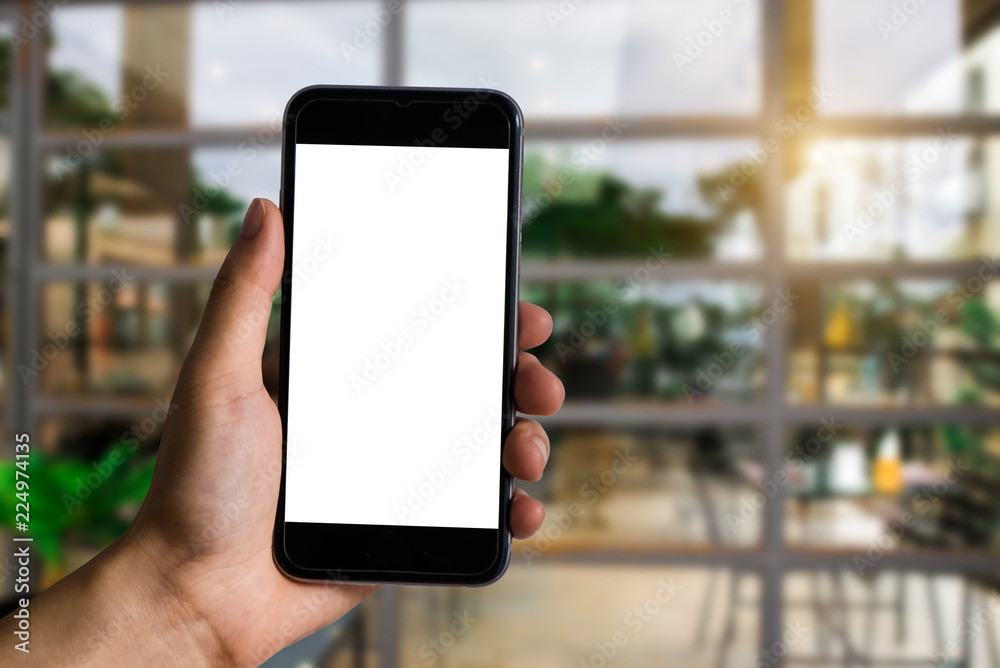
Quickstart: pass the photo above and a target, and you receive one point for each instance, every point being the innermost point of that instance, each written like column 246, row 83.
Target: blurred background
column 766, row 232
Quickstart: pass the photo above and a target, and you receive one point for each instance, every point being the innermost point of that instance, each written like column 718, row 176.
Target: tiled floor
column 544, row 616
column 560, row 615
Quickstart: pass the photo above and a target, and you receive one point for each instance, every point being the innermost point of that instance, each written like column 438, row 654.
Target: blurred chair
column 967, row 515
column 712, row 462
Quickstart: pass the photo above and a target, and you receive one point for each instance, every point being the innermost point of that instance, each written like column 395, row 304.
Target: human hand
column 199, row 549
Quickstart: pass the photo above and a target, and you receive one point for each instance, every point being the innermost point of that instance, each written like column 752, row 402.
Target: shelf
column 547, row 271
column 788, row 559
column 124, row 138
column 681, row 128
column 891, row 415
column 642, row 414
column 104, row 273
column 650, row 414
column 543, row 271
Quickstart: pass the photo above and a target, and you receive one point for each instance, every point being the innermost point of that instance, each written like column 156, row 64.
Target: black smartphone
column 398, row 333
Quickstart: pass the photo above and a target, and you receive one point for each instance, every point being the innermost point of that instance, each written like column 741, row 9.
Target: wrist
column 153, row 605
column 117, row 610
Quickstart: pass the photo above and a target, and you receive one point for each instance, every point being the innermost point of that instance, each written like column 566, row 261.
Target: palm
column 213, row 499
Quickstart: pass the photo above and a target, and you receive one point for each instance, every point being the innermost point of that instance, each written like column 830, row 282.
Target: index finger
column 533, row 327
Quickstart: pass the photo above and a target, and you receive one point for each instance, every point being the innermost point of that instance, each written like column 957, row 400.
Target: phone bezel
column 360, row 115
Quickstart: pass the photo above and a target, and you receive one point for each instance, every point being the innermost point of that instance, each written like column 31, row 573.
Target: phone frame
column 364, row 113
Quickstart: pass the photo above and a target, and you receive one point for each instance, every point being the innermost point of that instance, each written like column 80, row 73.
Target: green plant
column 982, row 326
column 961, row 442
column 601, row 216
column 74, row 499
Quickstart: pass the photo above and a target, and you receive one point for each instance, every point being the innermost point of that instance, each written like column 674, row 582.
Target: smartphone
column 399, row 306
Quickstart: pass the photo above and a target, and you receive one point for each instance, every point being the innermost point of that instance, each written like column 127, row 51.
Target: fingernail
column 254, row 220
column 543, row 446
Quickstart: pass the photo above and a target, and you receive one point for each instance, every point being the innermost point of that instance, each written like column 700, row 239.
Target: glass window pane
column 889, row 57
column 910, row 343
column 605, row 200
column 889, row 488
column 683, row 343
column 248, row 59
column 642, row 57
column 84, row 68
column 920, row 198
column 157, row 206
column 111, row 67
column 612, row 489
column 877, row 57
column 221, row 64
column 124, row 337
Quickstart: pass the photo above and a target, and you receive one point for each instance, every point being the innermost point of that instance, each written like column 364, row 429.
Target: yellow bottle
column 888, row 468
column 840, row 327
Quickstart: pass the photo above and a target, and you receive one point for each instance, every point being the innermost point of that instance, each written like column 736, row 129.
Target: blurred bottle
column 848, row 472
column 840, row 327
column 888, row 468
column 869, row 383
column 644, row 347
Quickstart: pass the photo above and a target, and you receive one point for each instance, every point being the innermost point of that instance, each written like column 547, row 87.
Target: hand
column 196, row 566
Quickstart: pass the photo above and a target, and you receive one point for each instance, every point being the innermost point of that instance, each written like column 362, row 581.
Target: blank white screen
column 404, row 280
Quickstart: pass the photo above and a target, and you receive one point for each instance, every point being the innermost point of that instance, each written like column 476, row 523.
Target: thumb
column 230, row 338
